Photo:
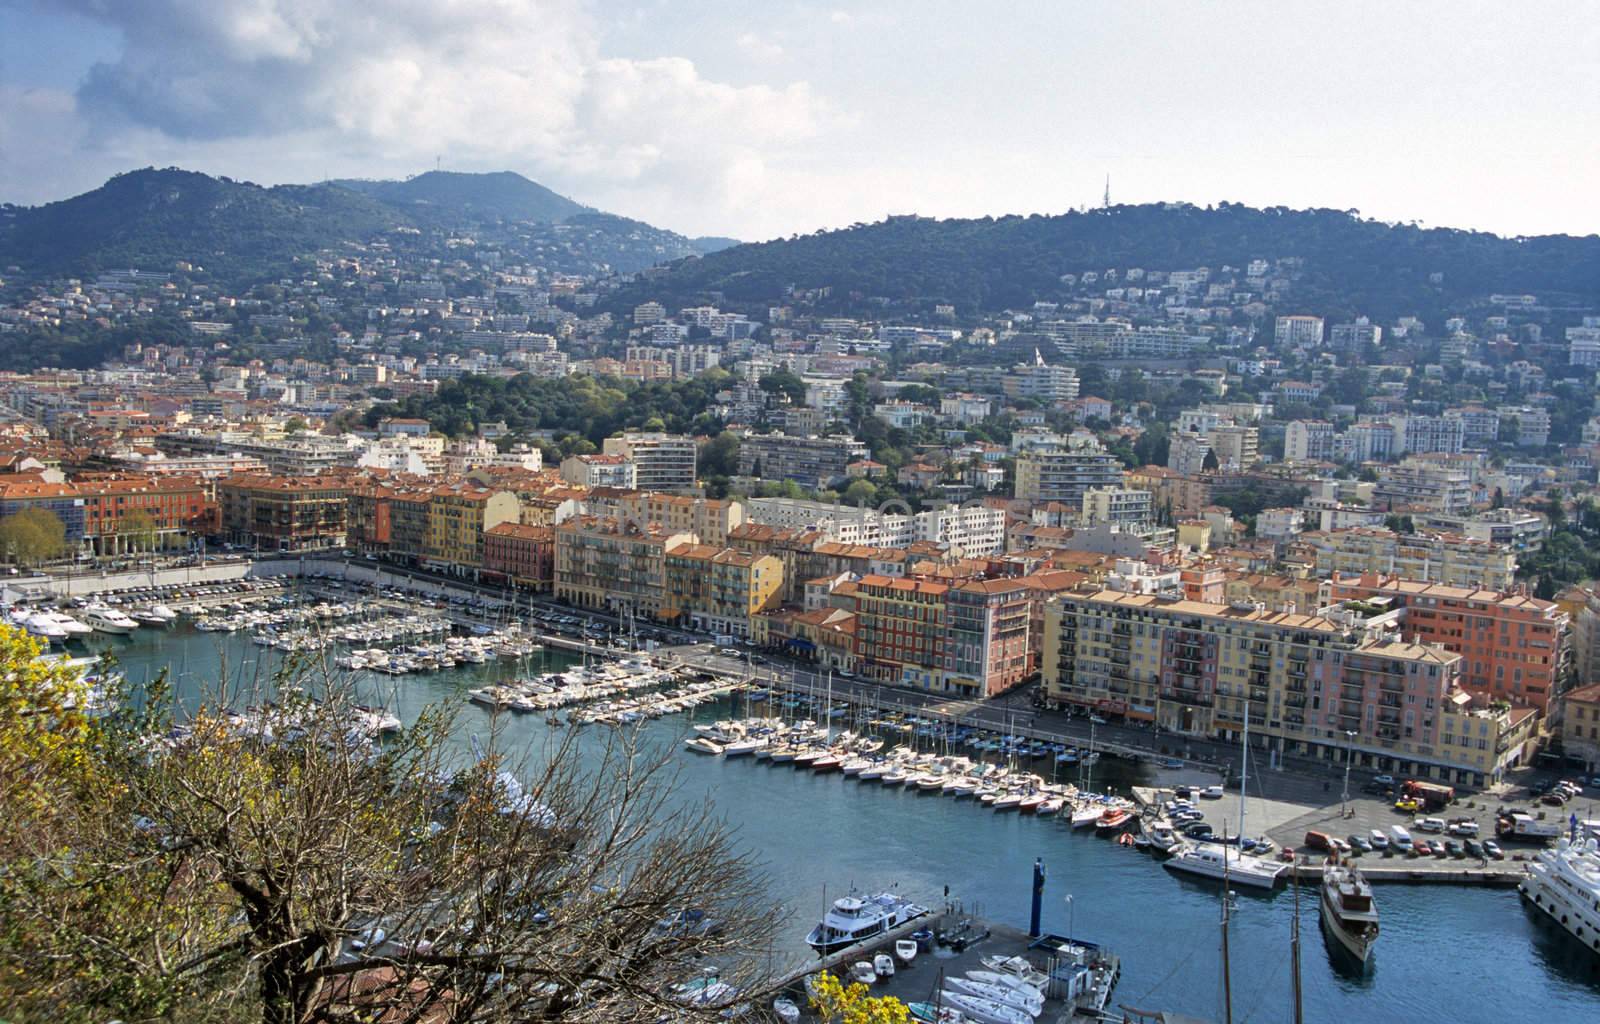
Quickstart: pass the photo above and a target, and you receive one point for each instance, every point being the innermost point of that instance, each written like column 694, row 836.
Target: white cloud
column 758, row 47
column 520, row 84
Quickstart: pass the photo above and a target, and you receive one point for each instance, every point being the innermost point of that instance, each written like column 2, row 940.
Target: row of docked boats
column 998, row 786
column 608, row 693
column 53, row 625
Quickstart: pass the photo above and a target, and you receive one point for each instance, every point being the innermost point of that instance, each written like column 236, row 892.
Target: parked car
column 1430, row 824
column 1384, row 780
column 1378, row 840
column 1473, row 847
column 1452, row 847
column 1492, row 848
column 1360, row 844
column 1212, row 792
column 1421, row 847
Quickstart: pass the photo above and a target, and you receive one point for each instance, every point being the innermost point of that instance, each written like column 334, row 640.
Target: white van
column 1378, row 839
column 1400, row 838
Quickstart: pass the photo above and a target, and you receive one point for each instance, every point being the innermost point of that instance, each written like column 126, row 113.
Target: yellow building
column 1311, row 686
column 614, row 565
column 719, row 590
column 1428, row 557
column 457, row 519
column 710, row 519
column 1580, row 727
column 1195, row 534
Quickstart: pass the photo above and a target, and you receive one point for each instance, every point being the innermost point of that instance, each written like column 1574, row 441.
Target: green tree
column 138, row 530
column 785, row 382
column 720, row 455
column 860, row 492
column 33, row 535
column 295, row 425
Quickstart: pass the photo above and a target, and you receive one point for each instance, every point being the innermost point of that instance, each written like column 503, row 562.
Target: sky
column 769, row 118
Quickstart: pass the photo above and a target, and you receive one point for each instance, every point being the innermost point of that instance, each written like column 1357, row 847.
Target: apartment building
column 710, row 519
column 1514, row 647
column 614, row 565
column 1309, row 686
column 1308, row 441
column 1580, row 727
column 457, row 519
column 140, row 513
column 1065, row 475
column 968, row 639
column 662, row 462
column 719, row 590
column 284, row 513
column 1117, row 505
column 1298, row 331
column 809, row 461
column 1431, row 557
column 1514, row 528
column 1428, row 434
column 600, row 471
column 1418, row 485
column 1236, row 446
column 521, row 555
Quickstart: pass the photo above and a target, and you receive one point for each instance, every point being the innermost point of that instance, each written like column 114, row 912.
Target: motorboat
column 1018, row 967
column 1349, row 915
column 786, row 1010
column 928, row 1013
column 45, row 628
column 1114, row 820
column 741, row 747
column 853, row 919
column 703, row 745
column 883, row 965
column 861, row 971
column 70, row 625
column 148, row 617
column 1214, row 860
column 1031, row 1004
column 106, row 619
column 985, row 1011
column 905, row 950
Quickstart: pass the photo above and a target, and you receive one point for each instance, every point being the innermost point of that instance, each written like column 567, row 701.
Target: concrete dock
column 921, row 980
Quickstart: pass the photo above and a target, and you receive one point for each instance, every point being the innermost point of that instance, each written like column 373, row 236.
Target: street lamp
column 1344, row 798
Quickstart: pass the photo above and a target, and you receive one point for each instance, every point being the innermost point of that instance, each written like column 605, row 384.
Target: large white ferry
column 1565, row 883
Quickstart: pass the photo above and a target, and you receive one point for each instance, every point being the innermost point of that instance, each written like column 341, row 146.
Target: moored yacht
column 106, row 619
column 1349, row 915
column 1565, row 884
column 853, row 919
column 1214, row 860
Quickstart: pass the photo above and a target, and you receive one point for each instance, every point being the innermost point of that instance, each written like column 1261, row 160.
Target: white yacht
column 853, row 919
column 107, row 619
column 1565, row 883
column 44, row 627
column 73, row 627
column 1213, row 860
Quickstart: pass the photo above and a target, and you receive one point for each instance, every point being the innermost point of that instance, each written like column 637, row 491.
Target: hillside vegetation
column 994, row 263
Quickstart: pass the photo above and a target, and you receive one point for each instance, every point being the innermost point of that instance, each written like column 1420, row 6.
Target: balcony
column 1193, row 698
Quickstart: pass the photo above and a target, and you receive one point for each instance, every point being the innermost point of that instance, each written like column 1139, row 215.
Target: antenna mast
column 1107, row 200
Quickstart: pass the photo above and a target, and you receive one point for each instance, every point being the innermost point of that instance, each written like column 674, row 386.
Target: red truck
column 1431, row 794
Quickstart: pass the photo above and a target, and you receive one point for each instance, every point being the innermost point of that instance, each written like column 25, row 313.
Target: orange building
column 1513, row 647
column 141, row 513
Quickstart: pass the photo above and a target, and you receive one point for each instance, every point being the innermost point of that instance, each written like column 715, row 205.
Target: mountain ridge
column 992, row 263
column 241, row 232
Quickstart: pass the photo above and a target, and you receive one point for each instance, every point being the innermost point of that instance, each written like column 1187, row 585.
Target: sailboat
column 1226, row 859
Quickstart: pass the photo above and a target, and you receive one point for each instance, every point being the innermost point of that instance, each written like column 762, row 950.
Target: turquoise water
column 1446, row 953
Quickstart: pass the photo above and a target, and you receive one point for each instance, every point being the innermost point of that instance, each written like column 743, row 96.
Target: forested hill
column 241, row 233
column 153, row 219
column 1008, row 262
column 504, row 195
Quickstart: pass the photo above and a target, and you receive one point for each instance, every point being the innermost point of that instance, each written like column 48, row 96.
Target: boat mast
column 1244, row 771
column 1294, row 945
column 1227, row 974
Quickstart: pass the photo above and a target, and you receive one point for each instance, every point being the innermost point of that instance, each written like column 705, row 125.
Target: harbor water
column 1446, row 952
